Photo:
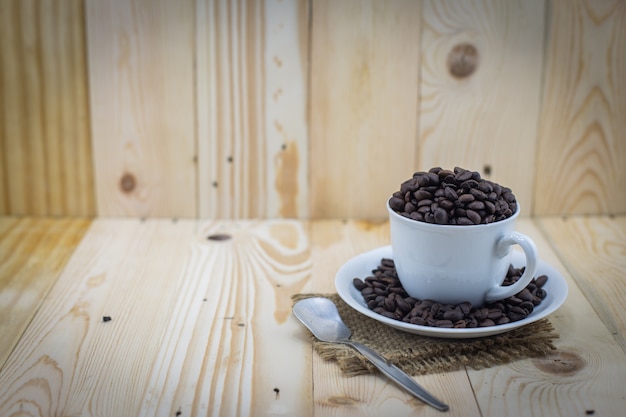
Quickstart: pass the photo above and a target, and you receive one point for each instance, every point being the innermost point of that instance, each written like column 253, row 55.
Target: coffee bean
column 450, row 194
column 464, row 221
column 494, row 314
column 424, row 206
column 485, row 187
column 409, row 186
column 514, row 301
column 528, row 306
column 541, row 280
column 422, row 195
column 453, row 191
column 499, row 305
column 409, row 207
column 444, row 323
column 481, row 314
column 469, row 185
column 417, row 320
column 403, row 305
column 525, row 295
column 479, row 195
column 389, row 304
column 508, row 196
column 465, row 307
column 476, row 205
column 461, row 324
column 446, row 204
column 358, row 284
column 441, row 216
column 383, row 294
column 464, row 176
column 454, row 315
column 434, row 309
column 380, row 291
column 466, row 198
column 518, row 310
column 486, row 323
column 425, row 202
column 473, row 216
column 515, row 316
column 416, row 215
column 367, row 291
column 433, row 178
column 389, row 314
column 396, row 204
column 444, row 173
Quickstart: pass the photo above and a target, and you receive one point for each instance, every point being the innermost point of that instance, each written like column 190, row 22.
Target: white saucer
column 361, row 266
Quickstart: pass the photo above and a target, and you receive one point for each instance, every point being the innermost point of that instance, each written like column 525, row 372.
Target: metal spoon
column 321, row 317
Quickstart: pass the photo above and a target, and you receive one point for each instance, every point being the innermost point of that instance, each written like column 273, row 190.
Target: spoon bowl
column 321, row 317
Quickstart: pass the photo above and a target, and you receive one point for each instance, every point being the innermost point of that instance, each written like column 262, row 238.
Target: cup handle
column 500, row 292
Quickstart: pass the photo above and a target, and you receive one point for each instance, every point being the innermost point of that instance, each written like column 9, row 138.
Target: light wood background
column 306, row 108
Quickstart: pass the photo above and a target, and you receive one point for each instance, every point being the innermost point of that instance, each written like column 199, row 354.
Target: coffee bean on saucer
column 383, row 294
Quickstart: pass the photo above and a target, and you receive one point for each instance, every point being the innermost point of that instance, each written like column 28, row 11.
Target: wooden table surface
column 203, row 326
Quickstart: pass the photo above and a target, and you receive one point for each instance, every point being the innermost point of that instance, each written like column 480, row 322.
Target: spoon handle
column 397, row 375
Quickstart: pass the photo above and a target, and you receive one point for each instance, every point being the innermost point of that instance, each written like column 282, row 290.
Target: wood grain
column 581, row 160
column 578, row 378
column 141, row 79
column 33, row 253
column 593, row 250
column 363, row 105
column 333, row 243
column 485, row 119
column 251, row 101
column 198, row 326
column 45, row 151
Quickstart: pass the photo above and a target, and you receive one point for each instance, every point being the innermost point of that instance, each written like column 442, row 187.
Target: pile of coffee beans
column 384, row 295
column 458, row 197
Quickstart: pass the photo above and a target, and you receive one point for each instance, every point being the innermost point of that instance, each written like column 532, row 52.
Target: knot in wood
column 463, row 60
column 562, row 363
column 128, row 182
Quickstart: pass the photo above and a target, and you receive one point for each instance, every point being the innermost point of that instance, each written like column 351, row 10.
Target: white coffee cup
column 452, row 264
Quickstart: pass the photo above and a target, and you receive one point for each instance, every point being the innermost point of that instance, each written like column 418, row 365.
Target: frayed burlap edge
column 419, row 355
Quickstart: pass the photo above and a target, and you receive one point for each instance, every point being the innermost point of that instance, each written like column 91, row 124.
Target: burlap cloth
column 418, row 355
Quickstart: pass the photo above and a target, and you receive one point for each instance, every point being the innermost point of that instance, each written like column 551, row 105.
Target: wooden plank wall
column 306, row 108
column 45, row 147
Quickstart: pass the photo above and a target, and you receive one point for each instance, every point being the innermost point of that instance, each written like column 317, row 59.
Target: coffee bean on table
column 383, row 294
column 457, row 197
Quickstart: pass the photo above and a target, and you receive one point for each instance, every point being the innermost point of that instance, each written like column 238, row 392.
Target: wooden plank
column 141, row 78
column 333, row 243
column 198, row 326
column 480, row 89
column 593, row 250
column 585, row 371
column 581, row 163
column 33, row 252
column 364, row 90
column 252, row 100
column 45, row 151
